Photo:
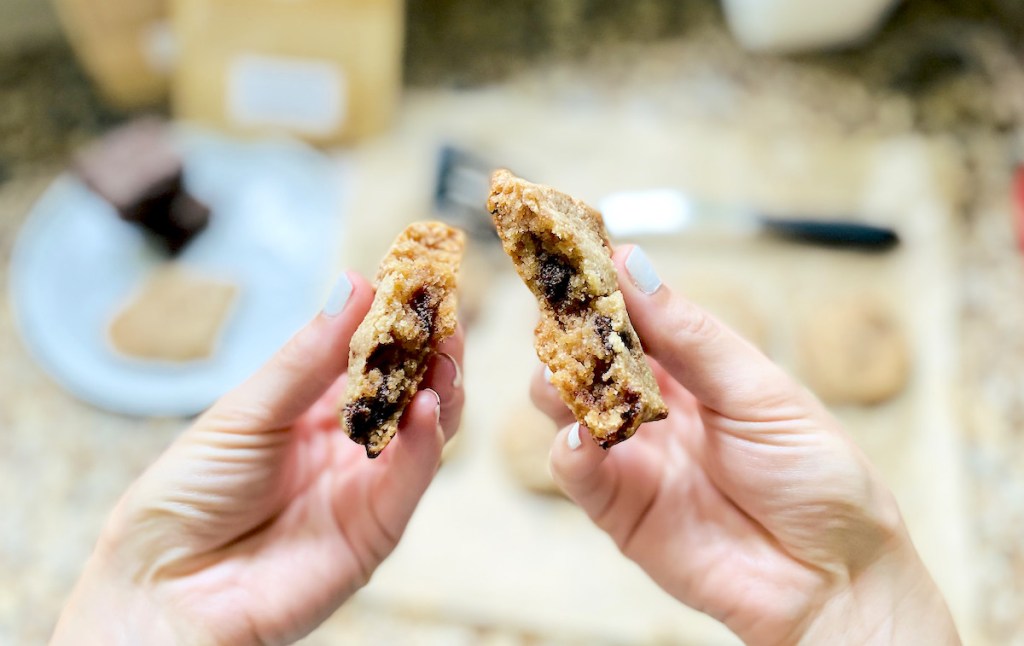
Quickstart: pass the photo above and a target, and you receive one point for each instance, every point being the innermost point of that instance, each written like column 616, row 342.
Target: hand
column 263, row 517
column 748, row 503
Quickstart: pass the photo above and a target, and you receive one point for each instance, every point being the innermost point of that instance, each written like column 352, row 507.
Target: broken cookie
column 561, row 251
column 413, row 310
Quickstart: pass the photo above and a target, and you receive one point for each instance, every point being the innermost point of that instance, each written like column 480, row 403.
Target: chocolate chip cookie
column 413, row 310
column 853, row 350
column 561, row 251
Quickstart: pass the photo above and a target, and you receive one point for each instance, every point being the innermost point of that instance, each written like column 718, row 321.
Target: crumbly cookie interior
column 413, row 310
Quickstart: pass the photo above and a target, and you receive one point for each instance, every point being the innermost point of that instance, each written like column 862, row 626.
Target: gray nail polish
column 457, row 380
column 437, row 409
column 573, row 438
column 642, row 271
column 339, row 297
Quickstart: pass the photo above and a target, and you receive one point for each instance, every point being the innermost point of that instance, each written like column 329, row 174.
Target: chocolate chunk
column 632, row 400
column 604, row 328
column 627, row 340
column 601, row 366
column 138, row 169
column 555, row 276
column 633, row 410
column 366, row 415
column 425, row 309
column 385, row 357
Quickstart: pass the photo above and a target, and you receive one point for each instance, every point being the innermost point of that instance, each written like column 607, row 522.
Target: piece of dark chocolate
column 139, row 170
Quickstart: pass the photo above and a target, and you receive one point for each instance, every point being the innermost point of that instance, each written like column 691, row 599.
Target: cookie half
column 561, row 251
column 413, row 310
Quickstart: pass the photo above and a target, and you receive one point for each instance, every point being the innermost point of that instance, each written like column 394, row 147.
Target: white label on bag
column 159, row 47
column 304, row 95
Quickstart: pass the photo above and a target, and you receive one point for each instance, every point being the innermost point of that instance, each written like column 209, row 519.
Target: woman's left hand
column 263, row 517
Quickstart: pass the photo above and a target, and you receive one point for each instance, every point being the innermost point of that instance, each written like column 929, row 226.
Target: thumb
column 374, row 511
column 722, row 370
column 301, row 371
column 578, row 467
column 614, row 488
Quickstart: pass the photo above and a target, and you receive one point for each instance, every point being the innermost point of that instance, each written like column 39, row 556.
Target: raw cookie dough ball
column 854, row 351
column 526, row 440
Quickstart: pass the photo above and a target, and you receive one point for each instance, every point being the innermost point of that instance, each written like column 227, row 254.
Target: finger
column 444, row 376
column 723, row 371
column 547, row 399
column 301, row 371
column 323, row 415
column 403, row 471
column 594, row 479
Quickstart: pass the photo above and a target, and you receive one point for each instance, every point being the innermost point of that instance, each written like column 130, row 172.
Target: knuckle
column 294, row 356
column 691, row 323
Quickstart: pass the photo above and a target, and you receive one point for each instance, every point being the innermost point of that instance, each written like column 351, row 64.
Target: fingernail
column 437, row 409
column 457, row 381
column 642, row 271
column 574, row 437
column 548, row 375
column 339, row 297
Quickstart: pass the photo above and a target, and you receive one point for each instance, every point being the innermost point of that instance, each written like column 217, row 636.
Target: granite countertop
column 63, row 463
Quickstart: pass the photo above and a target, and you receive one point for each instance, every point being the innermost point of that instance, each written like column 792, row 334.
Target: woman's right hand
column 749, row 502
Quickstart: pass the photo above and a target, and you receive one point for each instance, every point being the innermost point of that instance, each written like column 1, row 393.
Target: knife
column 463, row 183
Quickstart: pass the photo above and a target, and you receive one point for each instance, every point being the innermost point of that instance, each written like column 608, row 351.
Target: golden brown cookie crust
column 413, row 310
column 561, row 251
column 178, row 316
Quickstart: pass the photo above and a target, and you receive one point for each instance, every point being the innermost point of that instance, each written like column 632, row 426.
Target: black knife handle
column 832, row 233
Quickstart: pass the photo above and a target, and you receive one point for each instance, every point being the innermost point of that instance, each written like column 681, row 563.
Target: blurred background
column 181, row 180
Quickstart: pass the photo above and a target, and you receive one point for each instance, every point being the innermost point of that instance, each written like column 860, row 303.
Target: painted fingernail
column 642, row 271
column 339, row 297
column 548, row 375
column 457, row 381
column 573, row 438
column 437, row 408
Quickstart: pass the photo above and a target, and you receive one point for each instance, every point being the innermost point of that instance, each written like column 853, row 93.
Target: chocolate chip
column 366, row 415
column 604, row 328
column 601, row 366
column 422, row 304
column 555, row 276
column 632, row 400
column 633, row 410
column 627, row 340
column 386, row 357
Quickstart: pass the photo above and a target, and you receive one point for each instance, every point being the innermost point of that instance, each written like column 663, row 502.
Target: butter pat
column 327, row 71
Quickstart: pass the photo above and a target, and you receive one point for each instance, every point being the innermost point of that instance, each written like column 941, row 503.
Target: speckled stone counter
column 63, row 464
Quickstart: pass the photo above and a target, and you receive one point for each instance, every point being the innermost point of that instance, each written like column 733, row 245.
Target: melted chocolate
column 555, row 278
column 627, row 340
column 633, row 410
column 604, row 328
column 387, row 357
column 367, row 414
column 423, row 305
column 601, row 366
column 632, row 400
